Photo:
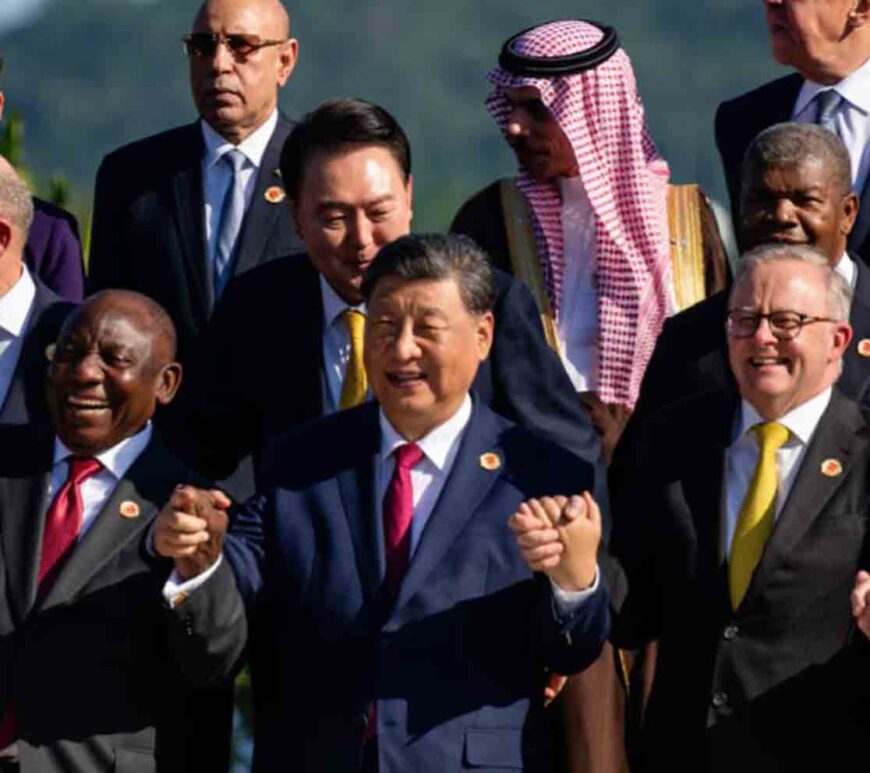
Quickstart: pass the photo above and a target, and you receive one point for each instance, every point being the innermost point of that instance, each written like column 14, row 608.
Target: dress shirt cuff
column 177, row 590
column 566, row 603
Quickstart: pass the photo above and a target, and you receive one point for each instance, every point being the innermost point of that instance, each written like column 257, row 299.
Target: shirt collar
column 16, row 303
column 333, row 304
column 436, row 446
column 253, row 147
column 846, row 268
column 801, row 422
column 854, row 88
column 117, row 459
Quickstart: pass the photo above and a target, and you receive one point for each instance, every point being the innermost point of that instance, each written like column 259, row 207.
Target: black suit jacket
column 456, row 664
column 25, row 401
column 259, row 371
column 778, row 684
column 691, row 354
column 738, row 121
column 84, row 666
column 148, row 227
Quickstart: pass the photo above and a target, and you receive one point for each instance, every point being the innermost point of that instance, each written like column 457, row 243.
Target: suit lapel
column 855, row 379
column 356, row 487
column 263, row 214
column 840, row 434
column 23, row 494
column 465, row 488
column 187, row 192
column 110, row 531
column 861, row 229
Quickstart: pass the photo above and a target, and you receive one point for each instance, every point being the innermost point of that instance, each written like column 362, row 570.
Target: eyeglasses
column 785, row 325
column 239, row 44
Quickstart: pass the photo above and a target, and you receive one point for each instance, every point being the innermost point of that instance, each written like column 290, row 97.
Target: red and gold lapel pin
column 832, row 468
column 274, row 194
column 863, row 347
column 490, row 461
column 129, row 509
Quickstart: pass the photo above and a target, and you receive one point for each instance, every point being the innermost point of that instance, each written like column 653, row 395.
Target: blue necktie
column 827, row 103
column 232, row 213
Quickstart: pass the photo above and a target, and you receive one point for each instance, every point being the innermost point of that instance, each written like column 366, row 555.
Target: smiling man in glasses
column 177, row 215
column 741, row 527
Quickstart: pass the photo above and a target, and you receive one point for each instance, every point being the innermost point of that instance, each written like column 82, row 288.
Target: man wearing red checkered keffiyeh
column 596, row 187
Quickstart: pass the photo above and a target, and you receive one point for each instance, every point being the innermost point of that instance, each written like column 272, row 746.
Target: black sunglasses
column 240, row 44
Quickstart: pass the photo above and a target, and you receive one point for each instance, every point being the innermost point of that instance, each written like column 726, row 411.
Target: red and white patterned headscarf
column 625, row 178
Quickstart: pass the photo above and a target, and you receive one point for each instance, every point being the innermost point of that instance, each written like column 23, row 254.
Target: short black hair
column 339, row 125
column 436, row 256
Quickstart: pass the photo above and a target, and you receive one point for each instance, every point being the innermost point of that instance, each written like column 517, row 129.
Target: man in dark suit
column 53, row 251
column 347, row 171
column 741, row 528
column 421, row 614
column 828, row 44
column 796, row 190
column 30, row 313
column 178, row 214
column 87, row 683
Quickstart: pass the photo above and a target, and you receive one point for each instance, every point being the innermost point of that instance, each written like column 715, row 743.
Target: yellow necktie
column 355, row 386
column 755, row 521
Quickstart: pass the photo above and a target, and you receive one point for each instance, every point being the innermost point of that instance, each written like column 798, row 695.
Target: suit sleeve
column 531, row 387
column 106, row 258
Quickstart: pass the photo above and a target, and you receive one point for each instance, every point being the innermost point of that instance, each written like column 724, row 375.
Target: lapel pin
column 275, row 195
column 49, row 352
column 490, row 461
column 864, row 347
column 129, row 509
column 832, row 468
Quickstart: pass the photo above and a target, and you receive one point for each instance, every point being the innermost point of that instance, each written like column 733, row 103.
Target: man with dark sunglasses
column 177, row 215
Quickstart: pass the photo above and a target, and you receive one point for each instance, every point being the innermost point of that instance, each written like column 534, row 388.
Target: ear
column 841, row 340
column 859, row 13
column 2, row 102
column 169, row 381
column 409, row 188
column 6, row 235
column 851, row 205
column 287, row 60
column 484, row 333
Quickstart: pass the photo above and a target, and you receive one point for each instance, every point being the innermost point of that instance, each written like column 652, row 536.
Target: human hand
column 559, row 536
column 860, row 598
column 609, row 420
column 190, row 529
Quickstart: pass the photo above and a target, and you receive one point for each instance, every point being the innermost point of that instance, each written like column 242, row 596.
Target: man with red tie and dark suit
column 391, row 618
column 86, row 683
column 828, row 43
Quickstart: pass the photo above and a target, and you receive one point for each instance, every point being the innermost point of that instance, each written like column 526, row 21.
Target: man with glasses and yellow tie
column 177, row 215
column 740, row 527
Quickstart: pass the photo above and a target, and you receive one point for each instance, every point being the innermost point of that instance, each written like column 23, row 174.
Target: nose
column 764, row 333
column 222, row 61
column 406, row 346
column 361, row 235
column 784, row 211
column 88, row 369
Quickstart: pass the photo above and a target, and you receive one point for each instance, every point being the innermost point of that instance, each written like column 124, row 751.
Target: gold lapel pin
column 274, row 194
column 49, row 352
column 490, row 461
column 832, row 468
column 863, row 347
column 129, row 509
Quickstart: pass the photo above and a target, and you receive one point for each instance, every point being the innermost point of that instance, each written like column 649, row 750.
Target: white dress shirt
column 847, row 269
column 578, row 313
column 97, row 489
column 742, row 455
column 16, row 306
column 217, row 176
column 336, row 343
column 851, row 118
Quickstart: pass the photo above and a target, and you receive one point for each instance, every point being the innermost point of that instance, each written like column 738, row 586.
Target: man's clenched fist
column 190, row 529
column 559, row 536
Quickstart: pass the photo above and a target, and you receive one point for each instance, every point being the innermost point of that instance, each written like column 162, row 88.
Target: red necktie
column 63, row 522
column 398, row 513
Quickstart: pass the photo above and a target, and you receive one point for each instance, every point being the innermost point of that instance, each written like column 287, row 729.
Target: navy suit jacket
column 53, row 251
column 259, row 371
column 456, row 664
column 25, row 400
column 738, row 121
column 148, row 230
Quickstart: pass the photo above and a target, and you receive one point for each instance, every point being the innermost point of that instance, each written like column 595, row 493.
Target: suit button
column 730, row 632
column 720, row 700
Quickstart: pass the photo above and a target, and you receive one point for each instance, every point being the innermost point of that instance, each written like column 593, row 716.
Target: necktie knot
column 408, row 456
column 771, row 436
column 81, row 468
column 827, row 103
column 355, row 321
column 234, row 159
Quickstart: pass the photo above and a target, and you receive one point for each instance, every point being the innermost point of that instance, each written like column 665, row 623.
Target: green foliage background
column 90, row 75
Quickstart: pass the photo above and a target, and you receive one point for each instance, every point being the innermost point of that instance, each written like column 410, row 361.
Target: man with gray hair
column 796, row 190
column 385, row 566
column 740, row 526
column 30, row 313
